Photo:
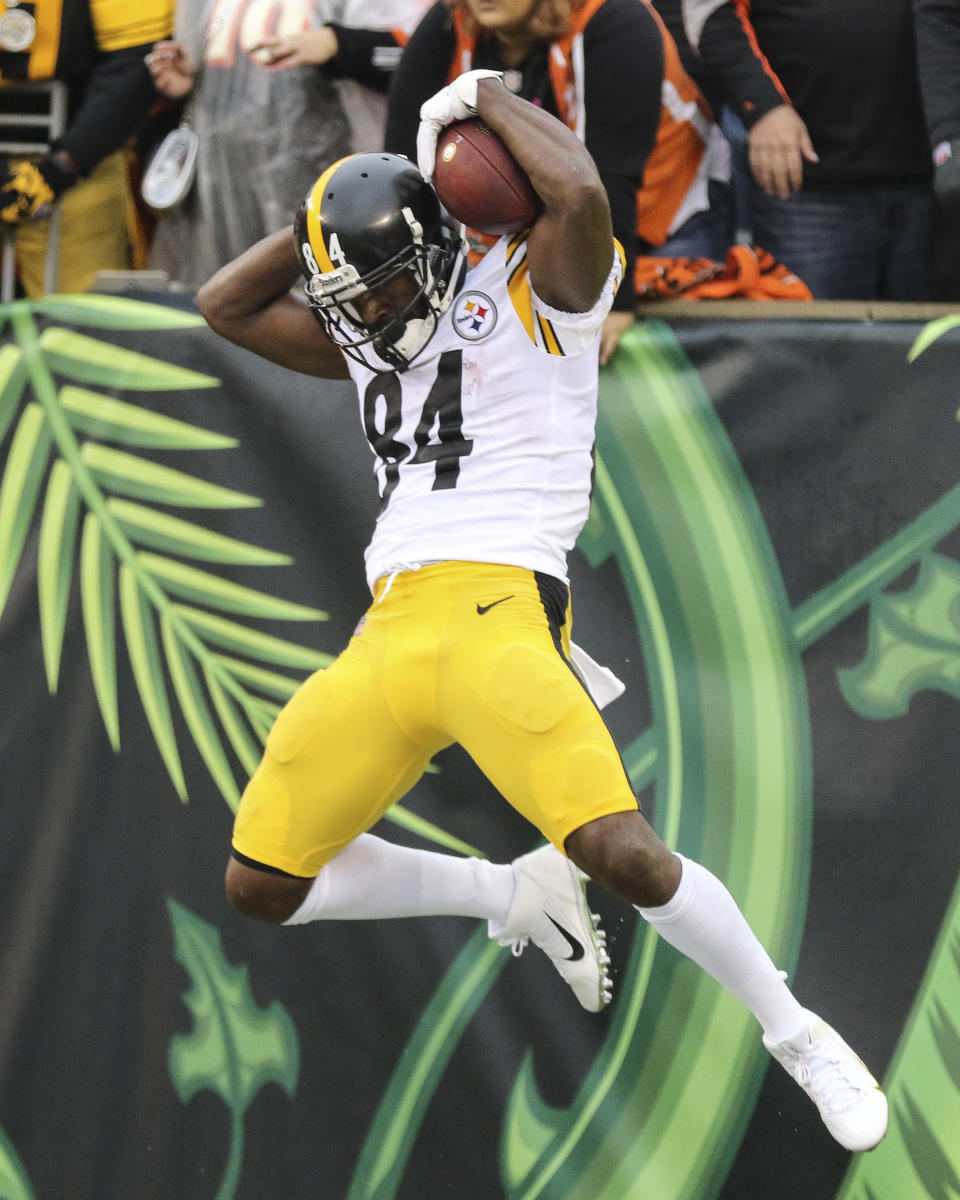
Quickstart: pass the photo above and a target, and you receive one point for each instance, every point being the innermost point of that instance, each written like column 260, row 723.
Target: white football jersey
column 484, row 447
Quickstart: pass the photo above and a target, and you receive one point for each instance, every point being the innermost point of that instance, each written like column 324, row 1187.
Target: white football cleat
column 850, row 1101
column 549, row 908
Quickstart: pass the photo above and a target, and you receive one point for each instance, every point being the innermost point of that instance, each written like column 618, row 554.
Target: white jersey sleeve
column 549, row 328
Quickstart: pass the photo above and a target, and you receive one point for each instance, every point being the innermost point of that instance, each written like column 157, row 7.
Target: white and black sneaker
column 549, row 908
column 850, row 1101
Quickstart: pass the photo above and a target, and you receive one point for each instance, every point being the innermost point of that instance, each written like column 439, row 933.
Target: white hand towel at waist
column 600, row 681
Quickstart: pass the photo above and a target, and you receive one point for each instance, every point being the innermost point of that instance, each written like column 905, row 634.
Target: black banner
column 770, row 565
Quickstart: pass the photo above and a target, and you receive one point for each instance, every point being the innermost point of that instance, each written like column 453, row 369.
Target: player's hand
column 28, row 189
column 455, row 102
column 312, row 47
column 614, row 327
column 779, row 144
column 171, row 69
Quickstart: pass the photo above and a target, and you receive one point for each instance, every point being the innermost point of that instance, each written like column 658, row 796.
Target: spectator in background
column 97, row 49
column 938, row 53
column 610, row 70
column 360, row 50
column 838, row 150
column 263, row 134
column 671, row 12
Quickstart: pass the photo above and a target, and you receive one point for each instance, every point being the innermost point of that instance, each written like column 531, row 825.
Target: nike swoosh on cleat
column 576, row 946
column 482, row 608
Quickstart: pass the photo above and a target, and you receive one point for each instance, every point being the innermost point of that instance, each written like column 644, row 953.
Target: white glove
column 455, row 102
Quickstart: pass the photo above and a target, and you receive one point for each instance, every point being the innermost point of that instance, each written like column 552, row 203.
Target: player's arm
column 570, row 247
column 249, row 302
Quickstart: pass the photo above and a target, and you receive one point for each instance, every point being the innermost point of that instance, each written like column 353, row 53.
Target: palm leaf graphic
column 14, row 1184
column 913, row 646
column 76, row 464
column 13, row 379
column 22, row 478
column 58, row 536
column 147, row 667
column 76, row 457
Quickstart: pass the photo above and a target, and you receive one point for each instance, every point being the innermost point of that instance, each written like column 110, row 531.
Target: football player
column 477, row 393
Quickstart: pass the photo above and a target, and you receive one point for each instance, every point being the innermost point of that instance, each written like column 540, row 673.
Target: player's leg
column 697, row 915
column 368, row 877
column 338, row 756
column 513, row 703
column 519, row 709
column 532, row 729
column 373, row 879
column 335, row 760
column 690, row 908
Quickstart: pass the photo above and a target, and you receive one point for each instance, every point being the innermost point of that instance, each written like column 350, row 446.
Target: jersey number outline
column 442, row 406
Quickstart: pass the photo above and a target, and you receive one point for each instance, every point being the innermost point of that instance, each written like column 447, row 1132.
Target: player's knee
column 262, row 895
column 624, row 854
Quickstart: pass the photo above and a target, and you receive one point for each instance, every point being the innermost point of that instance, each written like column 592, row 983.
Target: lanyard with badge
column 170, row 172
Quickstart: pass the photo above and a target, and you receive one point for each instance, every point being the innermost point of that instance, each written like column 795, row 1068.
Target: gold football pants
column 452, row 652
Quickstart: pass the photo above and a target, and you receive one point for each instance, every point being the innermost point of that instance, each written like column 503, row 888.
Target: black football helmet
column 368, row 218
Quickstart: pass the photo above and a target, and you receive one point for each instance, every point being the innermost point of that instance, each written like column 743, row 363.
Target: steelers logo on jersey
column 474, row 316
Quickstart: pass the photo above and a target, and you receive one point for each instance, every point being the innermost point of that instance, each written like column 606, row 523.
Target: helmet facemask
column 395, row 341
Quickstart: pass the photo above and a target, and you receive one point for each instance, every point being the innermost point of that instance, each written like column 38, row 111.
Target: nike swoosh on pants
column 482, row 608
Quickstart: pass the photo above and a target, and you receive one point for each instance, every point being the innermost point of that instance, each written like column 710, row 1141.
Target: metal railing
column 49, row 125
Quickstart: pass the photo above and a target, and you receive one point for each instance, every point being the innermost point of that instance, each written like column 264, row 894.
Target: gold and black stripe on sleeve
column 539, row 328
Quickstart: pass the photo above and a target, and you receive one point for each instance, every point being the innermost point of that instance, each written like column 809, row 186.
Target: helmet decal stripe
column 314, row 228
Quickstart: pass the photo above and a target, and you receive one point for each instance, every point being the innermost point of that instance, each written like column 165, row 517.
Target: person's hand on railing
column 614, row 327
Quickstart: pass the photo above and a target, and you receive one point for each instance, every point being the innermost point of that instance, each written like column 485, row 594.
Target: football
column 480, row 182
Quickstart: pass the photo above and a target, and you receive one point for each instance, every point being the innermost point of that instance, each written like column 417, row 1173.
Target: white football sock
column 372, row 879
column 703, row 922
